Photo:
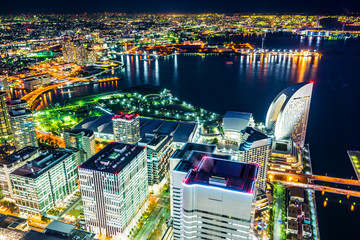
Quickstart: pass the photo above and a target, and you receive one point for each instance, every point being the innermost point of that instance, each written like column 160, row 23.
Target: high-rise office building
column 126, row 128
column 11, row 162
column 219, row 200
column 45, row 181
column 256, row 149
column 23, row 128
column 83, row 140
column 14, row 104
column 5, row 129
column 288, row 114
column 158, row 148
column 78, row 51
column 114, row 189
column 185, row 159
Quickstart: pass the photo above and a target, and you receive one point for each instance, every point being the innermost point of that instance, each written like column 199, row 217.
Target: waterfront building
column 126, row 128
column 184, row 160
column 23, row 128
column 114, row 189
column 82, row 140
column 158, row 148
column 285, row 156
column 256, row 148
column 33, row 82
column 219, row 200
column 17, row 103
column 5, row 129
column 78, row 51
column 288, row 114
column 45, row 181
column 181, row 132
column 11, row 162
column 235, row 122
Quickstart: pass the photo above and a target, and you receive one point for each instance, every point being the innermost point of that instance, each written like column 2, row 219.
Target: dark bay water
column 245, row 83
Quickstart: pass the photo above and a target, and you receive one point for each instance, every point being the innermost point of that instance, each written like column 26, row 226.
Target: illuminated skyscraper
column 45, row 181
column 181, row 162
column 23, row 128
column 83, row 140
column 5, row 129
column 219, row 200
column 114, row 189
column 288, row 114
column 126, row 128
column 256, row 149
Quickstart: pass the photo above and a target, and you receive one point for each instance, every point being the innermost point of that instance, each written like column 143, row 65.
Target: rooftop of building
column 297, row 192
column 9, row 221
column 253, row 135
column 19, row 156
column 113, row 158
column 41, row 164
column 293, row 211
column 293, row 225
column 189, row 146
column 180, row 131
column 154, row 141
column 15, row 101
column 84, row 132
column 225, row 174
column 194, row 158
column 19, row 112
column 126, row 116
column 57, row 230
column 242, row 115
column 236, row 121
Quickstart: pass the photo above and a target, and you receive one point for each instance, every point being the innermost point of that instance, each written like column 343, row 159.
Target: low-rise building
column 57, row 230
column 235, row 122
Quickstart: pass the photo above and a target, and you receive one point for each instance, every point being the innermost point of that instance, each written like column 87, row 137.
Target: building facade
column 11, row 162
column 158, row 148
column 45, row 181
column 14, row 104
column 23, row 128
column 288, row 114
column 114, row 189
column 235, row 122
column 126, row 128
column 219, row 200
column 256, row 149
column 184, row 160
column 5, row 128
column 82, row 140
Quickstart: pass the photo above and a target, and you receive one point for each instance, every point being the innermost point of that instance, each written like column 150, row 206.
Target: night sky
column 182, row 6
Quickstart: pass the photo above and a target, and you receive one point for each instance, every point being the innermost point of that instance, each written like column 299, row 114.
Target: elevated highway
column 307, row 181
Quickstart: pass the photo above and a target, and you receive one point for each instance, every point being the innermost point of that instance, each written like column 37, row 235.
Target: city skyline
column 179, row 126
column 162, row 6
